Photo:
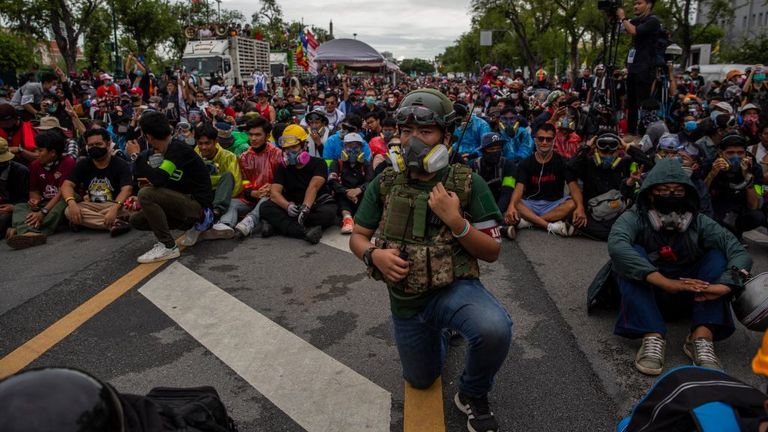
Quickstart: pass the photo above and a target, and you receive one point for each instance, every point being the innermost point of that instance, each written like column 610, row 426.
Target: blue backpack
column 691, row 398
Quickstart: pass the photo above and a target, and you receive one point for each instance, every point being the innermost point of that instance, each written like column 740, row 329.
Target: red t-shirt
column 24, row 136
column 48, row 182
column 102, row 91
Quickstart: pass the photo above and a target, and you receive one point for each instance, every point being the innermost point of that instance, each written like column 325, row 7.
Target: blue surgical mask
column 735, row 162
column 291, row 157
column 690, row 125
column 370, row 100
column 607, row 161
column 388, row 135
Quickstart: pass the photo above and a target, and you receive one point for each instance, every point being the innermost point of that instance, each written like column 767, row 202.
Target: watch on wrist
column 44, row 211
column 368, row 256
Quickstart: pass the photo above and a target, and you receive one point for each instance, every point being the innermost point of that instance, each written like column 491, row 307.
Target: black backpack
column 193, row 409
column 691, row 398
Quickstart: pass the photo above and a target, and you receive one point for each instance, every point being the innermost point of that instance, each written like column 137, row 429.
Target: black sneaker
column 313, row 235
column 479, row 415
column 266, row 229
column 119, row 228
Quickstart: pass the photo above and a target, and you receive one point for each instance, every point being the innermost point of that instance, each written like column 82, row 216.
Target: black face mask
column 670, row 204
column 97, row 152
column 491, row 159
column 259, row 149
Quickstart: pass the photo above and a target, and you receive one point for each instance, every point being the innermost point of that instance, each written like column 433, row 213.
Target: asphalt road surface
column 295, row 337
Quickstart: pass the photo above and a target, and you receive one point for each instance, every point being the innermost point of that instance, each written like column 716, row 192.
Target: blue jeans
column 237, row 207
column 643, row 305
column 465, row 306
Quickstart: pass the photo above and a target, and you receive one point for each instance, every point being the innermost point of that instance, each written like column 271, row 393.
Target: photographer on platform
column 641, row 59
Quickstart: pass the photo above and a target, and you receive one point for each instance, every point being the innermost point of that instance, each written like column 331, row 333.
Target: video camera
column 609, row 6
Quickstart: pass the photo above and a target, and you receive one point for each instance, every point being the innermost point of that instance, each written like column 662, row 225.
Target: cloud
column 403, row 27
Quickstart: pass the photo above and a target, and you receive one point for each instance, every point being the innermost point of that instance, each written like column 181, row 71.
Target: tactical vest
column 434, row 256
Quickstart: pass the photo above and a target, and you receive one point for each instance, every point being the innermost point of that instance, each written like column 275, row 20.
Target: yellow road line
column 423, row 409
column 35, row 347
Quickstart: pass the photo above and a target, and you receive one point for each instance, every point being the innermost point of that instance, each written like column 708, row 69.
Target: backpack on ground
column 193, row 409
column 691, row 398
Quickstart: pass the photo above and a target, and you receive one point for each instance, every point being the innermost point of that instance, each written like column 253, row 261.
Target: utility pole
column 116, row 65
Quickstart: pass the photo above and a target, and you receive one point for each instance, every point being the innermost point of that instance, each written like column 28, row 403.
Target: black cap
column 732, row 139
column 460, row 109
column 490, row 139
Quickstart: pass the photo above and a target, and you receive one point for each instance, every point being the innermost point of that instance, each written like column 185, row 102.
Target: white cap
column 353, row 137
column 105, row 76
column 217, row 88
column 725, row 106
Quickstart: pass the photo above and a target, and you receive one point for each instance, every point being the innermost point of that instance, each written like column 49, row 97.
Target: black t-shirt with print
column 544, row 182
column 101, row 184
column 295, row 180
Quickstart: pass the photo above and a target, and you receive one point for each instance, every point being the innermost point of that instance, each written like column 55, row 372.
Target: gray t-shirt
column 31, row 92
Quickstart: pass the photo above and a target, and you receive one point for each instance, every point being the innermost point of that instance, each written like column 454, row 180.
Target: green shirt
column 482, row 207
column 240, row 145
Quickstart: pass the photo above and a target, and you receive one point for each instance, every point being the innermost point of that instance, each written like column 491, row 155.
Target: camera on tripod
column 609, row 6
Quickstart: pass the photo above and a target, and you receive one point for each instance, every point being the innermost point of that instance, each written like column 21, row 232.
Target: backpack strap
column 715, row 417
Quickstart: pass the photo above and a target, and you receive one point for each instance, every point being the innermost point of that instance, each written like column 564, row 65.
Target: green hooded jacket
column 634, row 228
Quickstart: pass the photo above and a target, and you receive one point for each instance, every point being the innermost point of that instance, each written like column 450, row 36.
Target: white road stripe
column 315, row 390
column 334, row 238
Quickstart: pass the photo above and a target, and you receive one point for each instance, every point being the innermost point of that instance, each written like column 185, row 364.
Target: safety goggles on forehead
column 288, row 141
column 184, row 126
column 608, row 142
column 419, row 115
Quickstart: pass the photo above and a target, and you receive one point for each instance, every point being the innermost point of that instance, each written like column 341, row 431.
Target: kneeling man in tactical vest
column 434, row 222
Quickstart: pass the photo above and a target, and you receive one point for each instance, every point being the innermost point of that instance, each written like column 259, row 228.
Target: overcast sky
column 404, row 27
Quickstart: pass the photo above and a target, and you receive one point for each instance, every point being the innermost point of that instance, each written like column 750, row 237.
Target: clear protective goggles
column 419, row 115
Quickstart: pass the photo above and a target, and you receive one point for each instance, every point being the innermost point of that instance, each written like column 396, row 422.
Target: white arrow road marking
column 315, row 390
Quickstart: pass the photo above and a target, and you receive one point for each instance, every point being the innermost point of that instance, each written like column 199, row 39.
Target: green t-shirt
column 482, row 207
column 240, row 145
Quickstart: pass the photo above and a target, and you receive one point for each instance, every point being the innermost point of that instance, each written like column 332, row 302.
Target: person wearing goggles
column 434, row 221
column 335, row 143
column 608, row 171
column 300, row 204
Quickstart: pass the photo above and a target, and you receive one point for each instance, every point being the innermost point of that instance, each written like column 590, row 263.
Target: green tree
column 67, row 20
column 417, row 65
column 97, row 37
column 13, row 53
column 147, row 22
column 749, row 51
column 687, row 34
column 269, row 22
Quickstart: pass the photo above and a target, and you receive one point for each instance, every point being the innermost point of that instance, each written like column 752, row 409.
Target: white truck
column 234, row 58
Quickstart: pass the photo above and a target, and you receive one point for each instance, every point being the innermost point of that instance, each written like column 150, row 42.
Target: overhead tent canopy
column 353, row 54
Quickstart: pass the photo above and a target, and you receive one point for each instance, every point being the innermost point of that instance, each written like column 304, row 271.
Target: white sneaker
column 560, row 228
column 218, row 231
column 245, row 226
column 159, row 253
column 190, row 237
column 523, row 224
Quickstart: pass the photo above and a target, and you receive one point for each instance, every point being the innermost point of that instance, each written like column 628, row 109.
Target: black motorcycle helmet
column 58, row 400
